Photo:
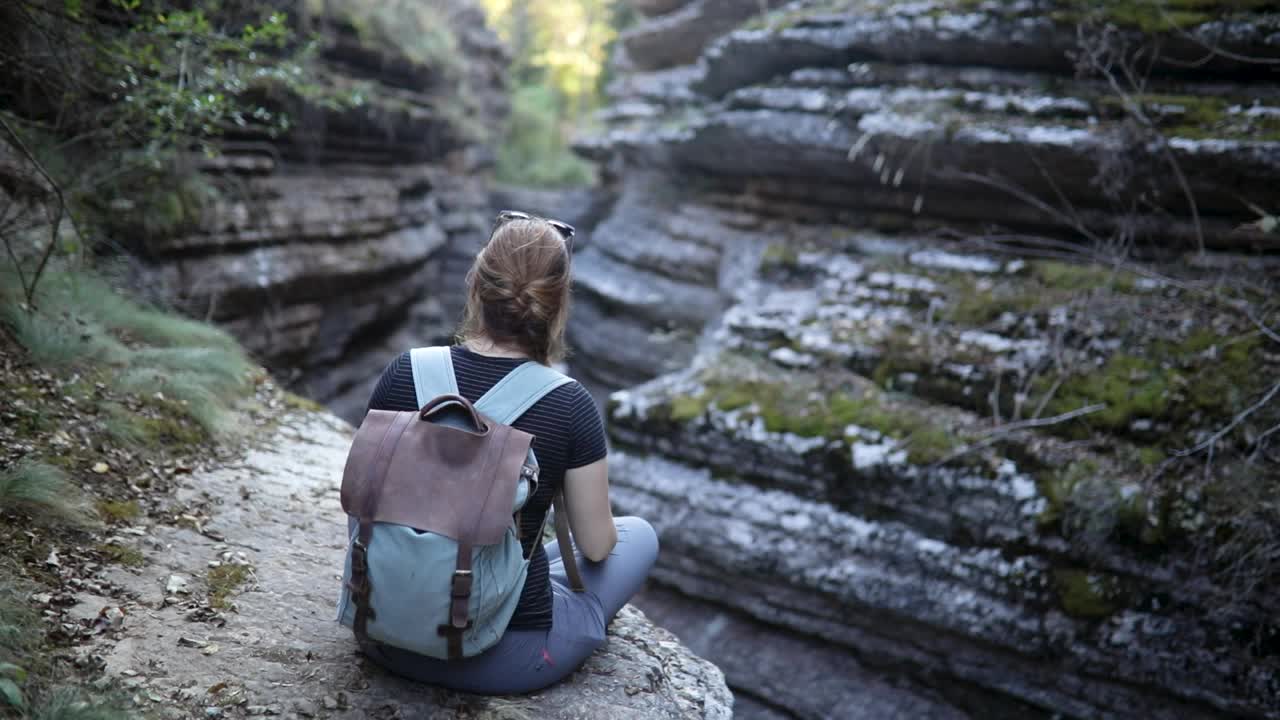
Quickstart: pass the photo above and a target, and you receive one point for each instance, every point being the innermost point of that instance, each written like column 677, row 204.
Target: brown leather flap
column 424, row 474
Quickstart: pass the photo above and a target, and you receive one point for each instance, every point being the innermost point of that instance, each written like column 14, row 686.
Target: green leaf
column 11, row 693
column 13, row 671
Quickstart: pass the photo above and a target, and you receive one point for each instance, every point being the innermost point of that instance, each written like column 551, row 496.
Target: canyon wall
column 923, row 342
column 317, row 247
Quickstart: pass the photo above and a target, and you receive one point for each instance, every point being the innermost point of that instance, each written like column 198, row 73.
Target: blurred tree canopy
column 560, row 51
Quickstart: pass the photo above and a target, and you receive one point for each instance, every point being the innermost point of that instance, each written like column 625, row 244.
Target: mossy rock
column 1088, row 595
column 1131, row 387
column 1058, row 275
column 1092, row 503
column 1158, row 16
column 802, row 406
column 1202, row 379
column 780, row 257
column 293, row 401
column 683, row 408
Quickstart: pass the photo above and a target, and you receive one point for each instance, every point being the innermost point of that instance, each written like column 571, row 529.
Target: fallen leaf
column 109, row 619
column 215, row 689
column 210, row 649
column 101, row 468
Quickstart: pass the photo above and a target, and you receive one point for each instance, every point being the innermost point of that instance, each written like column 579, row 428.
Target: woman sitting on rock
column 516, row 311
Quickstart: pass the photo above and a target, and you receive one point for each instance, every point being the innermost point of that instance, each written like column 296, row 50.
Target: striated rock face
column 314, row 246
column 680, row 29
column 881, row 411
column 920, row 116
column 829, row 465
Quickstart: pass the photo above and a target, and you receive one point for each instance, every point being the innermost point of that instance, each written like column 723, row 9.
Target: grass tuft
column 19, row 625
column 42, row 490
column 122, row 555
column 72, row 704
column 81, row 320
column 223, row 581
column 119, row 510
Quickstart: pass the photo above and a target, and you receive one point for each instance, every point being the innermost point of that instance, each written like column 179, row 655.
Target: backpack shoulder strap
column 519, row 390
column 432, row 373
column 505, row 402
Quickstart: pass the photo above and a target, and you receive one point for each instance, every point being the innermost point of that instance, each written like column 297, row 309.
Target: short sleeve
column 586, row 427
column 388, row 395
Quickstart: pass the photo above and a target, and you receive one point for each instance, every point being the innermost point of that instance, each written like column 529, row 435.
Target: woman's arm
column 586, row 496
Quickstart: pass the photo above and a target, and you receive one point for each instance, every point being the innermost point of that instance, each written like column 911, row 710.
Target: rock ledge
column 277, row 650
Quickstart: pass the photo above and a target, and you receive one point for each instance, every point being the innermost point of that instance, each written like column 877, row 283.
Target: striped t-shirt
column 568, row 433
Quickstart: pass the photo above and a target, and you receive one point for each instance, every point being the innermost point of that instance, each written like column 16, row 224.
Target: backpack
column 434, row 561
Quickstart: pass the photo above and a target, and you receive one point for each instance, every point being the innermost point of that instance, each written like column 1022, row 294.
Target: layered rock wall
column 314, row 247
column 882, row 400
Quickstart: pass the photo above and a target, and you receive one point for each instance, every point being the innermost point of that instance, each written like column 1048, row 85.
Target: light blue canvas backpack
column 434, row 561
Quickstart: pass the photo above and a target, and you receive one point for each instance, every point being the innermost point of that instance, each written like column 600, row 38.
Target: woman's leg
column 615, row 579
column 521, row 662
column 528, row 660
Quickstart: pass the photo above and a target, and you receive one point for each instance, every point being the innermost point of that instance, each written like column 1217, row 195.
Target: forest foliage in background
column 560, row 52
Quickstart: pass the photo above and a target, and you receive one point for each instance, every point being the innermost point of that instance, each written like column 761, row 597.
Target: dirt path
column 270, row 549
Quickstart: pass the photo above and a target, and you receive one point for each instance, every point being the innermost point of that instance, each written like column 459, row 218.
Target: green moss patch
column 294, row 401
column 1196, row 117
column 1058, row 275
column 1088, row 595
column 223, row 582
column 1159, row 16
column 780, row 257
column 119, row 510
column 1091, row 503
column 803, row 409
column 1131, row 387
column 122, row 555
column 1205, row 377
column 1044, row 284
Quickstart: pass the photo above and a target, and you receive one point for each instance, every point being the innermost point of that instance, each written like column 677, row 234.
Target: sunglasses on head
column 564, row 228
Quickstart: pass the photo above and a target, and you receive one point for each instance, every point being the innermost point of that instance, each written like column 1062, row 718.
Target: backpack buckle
column 460, row 587
column 359, row 557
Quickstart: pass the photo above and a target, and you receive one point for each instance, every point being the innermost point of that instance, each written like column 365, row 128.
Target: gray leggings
column 528, row 660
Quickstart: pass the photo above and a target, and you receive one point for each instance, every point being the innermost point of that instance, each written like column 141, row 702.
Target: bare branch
column 1241, row 417
column 17, row 142
column 1213, row 50
column 996, row 434
column 1021, row 194
column 1262, row 327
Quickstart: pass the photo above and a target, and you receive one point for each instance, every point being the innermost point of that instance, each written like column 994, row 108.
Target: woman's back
column 517, row 307
column 568, row 433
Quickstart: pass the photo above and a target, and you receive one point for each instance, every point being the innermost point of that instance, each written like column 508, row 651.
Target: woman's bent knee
column 640, row 538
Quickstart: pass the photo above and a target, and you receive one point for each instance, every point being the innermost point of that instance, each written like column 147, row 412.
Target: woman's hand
column 586, row 496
